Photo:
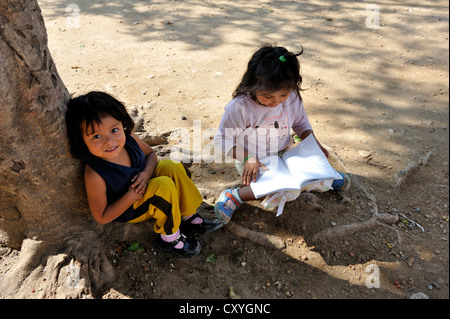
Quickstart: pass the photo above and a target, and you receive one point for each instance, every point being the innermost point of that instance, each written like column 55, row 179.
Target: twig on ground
column 413, row 222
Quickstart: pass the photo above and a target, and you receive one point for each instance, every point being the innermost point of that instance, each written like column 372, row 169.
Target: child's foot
column 197, row 225
column 181, row 247
column 227, row 203
column 341, row 184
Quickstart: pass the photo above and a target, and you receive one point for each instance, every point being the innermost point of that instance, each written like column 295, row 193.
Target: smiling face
column 272, row 99
column 105, row 139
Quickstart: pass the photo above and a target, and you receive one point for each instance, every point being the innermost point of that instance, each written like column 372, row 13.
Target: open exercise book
column 302, row 165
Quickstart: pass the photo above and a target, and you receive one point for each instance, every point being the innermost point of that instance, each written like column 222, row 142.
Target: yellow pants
column 170, row 194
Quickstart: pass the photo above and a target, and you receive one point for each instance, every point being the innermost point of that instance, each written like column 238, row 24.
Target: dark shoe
column 191, row 246
column 206, row 227
column 341, row 184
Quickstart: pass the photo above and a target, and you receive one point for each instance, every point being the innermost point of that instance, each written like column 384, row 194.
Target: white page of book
column 276, row 178
column 308, row 163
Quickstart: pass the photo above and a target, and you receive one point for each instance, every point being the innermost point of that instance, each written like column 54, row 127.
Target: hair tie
column 282, row 58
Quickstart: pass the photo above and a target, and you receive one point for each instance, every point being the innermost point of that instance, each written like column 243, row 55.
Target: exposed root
column 232, row 184
column 60, row 270
column 377, row 219
column 214, row 193
column 409, row 170
column 256, row 237
column 309, row 201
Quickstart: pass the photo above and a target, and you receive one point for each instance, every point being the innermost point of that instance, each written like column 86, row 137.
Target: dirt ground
column 376, row 92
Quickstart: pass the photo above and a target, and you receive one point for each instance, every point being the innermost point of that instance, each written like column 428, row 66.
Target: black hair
column 90, row 108
column 271, row 68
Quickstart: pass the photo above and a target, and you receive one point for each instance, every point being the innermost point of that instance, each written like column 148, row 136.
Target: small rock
column 364, row 154
column 419, row 295
column 183, row 117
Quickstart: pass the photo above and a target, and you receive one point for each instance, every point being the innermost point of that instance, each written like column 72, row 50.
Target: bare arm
column 98, row 203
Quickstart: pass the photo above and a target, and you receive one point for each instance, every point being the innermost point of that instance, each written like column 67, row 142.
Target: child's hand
column 251, row 167
column 139, row 182
column 133, row 195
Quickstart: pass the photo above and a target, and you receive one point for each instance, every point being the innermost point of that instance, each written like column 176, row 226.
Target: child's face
column 105, row 139
column 272, row 99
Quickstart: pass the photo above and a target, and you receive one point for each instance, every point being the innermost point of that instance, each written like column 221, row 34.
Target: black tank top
column 118, row 177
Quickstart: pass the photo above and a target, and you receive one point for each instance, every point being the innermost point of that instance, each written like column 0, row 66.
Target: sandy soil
column 377, row 97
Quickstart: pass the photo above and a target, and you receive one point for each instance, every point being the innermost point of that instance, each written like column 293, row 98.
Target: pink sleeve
column 231, row 124
column 301, row 122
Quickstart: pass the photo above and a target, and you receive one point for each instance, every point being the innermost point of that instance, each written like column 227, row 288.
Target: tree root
column 213, row 194
column 260, row 238
column 409, row 170
column 70, row 268
column 232, row 184
column 377, row 219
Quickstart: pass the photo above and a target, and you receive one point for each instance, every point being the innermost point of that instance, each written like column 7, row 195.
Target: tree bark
column 43, row 210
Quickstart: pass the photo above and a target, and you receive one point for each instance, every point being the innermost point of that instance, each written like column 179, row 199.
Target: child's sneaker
column 342, row 184
column 227, row 203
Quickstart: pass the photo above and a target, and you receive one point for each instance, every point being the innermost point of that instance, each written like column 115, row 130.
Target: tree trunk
column 43, row 210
